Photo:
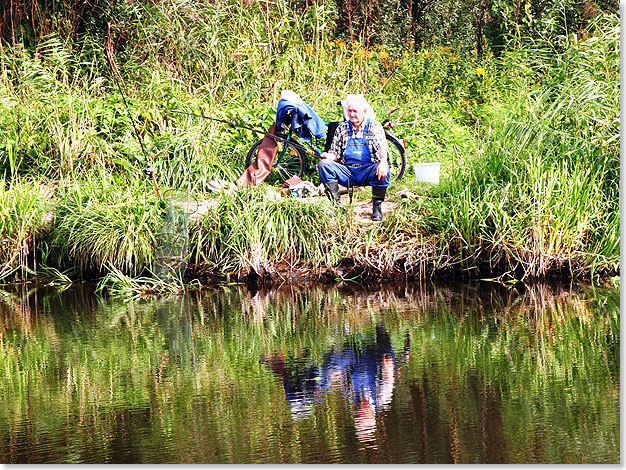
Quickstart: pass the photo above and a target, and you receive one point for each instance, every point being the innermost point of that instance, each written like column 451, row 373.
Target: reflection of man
column 366, row 379
column 301, row 381
column 363, row 371
column 366, row 409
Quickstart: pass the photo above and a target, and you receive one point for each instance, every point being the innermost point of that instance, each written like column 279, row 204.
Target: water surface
column 404, row 374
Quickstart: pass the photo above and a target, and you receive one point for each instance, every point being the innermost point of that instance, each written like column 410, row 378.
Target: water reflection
column 362, row 369
column 408, row 374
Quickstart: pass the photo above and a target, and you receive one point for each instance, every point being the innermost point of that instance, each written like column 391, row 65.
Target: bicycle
column 291, row 157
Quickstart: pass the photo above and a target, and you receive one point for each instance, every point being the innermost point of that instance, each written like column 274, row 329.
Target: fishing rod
column 118, row 78
column 258, row 131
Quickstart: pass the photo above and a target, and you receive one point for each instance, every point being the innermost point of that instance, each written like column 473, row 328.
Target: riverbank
column 253, row 235
column 269, row 241
column 528, row 141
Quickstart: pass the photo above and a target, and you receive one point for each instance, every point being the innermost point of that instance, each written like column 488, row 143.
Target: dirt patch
column 362, row 209
column 200, row 209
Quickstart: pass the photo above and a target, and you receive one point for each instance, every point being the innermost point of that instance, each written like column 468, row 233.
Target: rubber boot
column 332, row 191
column 378, row 196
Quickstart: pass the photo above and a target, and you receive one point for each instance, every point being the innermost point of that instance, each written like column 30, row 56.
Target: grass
column 23, row 208
column 118, row 284
column 540, row 194
column 101, row 220
column 254, row 230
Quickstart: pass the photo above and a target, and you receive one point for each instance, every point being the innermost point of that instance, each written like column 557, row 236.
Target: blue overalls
column 358, row 168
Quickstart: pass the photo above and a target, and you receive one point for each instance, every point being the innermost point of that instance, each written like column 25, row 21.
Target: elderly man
column 357, row 156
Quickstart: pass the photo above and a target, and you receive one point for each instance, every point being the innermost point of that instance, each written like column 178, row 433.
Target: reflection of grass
column 119, row 284
column 536, row 355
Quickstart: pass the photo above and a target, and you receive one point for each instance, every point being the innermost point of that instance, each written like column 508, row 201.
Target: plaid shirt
column 375, row 139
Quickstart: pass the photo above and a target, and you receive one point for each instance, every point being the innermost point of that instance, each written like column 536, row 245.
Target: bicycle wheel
column 397, row 158
column 290, row 161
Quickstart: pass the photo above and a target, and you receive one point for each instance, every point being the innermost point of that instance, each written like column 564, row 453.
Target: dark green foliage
column 398, row 24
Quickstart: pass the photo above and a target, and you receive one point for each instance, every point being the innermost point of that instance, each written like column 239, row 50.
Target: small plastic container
column 427, row 172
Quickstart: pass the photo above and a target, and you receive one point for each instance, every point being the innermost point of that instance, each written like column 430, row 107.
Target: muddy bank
column 349, row 269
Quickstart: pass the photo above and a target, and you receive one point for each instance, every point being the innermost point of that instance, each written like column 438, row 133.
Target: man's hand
column 383, row 169
column 329, row 156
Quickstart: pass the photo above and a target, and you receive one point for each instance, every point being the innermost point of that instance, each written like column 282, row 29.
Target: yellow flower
column 454, row 67
column 474, row 101
column 480, row 71
column 473, row 59
column 383, row 54
column 362, row 53
column 428, row 55
column 453, row 58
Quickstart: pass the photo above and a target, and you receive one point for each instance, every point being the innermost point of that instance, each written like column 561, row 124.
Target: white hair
column 356, row 100
column 360, row 101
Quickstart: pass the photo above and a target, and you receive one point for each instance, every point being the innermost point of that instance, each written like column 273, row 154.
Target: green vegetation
column 101, row 220
column 522, row 111
column 251, row 231
column 23, row 206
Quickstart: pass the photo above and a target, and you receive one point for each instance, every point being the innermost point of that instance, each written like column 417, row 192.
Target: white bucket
column 427, row 172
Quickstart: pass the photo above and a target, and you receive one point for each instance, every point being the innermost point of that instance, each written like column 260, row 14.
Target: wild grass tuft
column 254, row 229
column 118, row 284
column 101, row 221
column 23, row 218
